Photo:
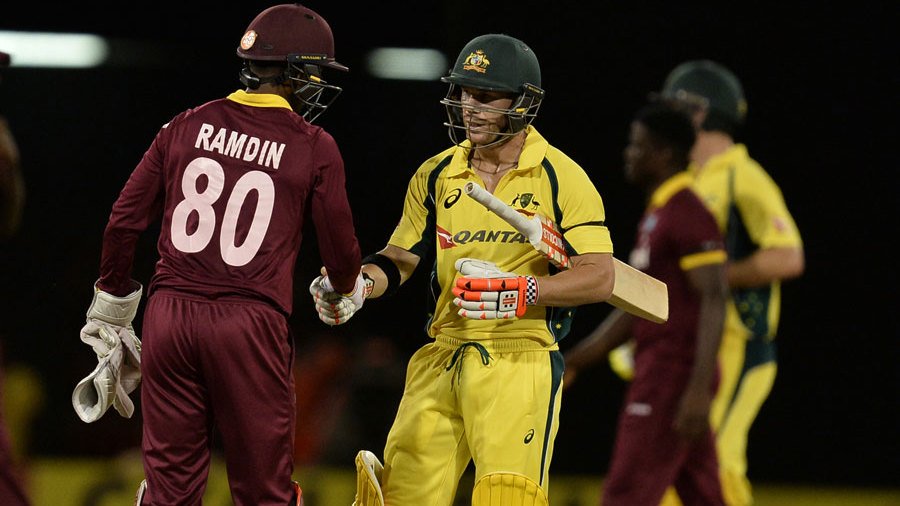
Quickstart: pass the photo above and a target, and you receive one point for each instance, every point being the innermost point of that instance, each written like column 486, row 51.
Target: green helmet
column 714, row 86
column 495, row 62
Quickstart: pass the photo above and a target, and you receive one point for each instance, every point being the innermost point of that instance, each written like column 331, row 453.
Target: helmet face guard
column 522, row 112
column 314, row 95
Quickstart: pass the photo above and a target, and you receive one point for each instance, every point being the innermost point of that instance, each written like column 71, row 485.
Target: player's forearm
column 709, row 336
column 590, row 280
column 766, row 266
column 405, row 262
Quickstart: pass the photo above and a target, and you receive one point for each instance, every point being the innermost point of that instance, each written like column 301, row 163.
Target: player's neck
column 498, row 158
column 710, row 144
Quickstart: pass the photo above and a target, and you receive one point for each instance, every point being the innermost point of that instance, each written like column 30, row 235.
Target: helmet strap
column 253, row 81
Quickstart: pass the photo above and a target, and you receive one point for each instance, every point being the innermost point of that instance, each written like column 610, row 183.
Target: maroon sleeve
column 703, row 233
column 137, row 206
column 332, row 217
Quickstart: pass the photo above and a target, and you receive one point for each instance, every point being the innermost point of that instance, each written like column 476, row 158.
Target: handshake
column 336, row 308
column 482, row 292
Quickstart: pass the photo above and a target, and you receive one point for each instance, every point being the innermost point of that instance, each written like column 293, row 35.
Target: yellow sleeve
column 764, row 209
column 410, row 231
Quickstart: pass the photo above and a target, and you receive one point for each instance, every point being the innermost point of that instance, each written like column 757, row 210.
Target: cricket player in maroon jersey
column 231, row 181
column 12, row 200
column 664, row 436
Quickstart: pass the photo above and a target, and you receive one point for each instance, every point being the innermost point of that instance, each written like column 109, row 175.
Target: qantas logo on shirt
column 445, row 238
column 448, row 239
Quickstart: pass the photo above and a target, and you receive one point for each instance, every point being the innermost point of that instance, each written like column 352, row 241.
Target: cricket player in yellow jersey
column 764, row 248
column 486, row 388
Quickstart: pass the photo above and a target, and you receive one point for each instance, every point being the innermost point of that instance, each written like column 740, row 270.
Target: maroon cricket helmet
column 292, row 33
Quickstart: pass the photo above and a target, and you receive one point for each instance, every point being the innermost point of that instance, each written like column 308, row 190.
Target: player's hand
column 474, row 268
column 692, row 418
column 335, row 308
column 484, row 292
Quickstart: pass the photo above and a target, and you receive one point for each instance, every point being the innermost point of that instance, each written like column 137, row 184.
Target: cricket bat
column 633, row 292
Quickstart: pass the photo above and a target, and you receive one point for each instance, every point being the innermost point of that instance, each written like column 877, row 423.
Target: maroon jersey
column 677, row 232
column 232, row 180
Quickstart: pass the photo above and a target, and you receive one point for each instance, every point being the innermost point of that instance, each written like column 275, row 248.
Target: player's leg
column 647, row 454
column 296, row 498
column 173, row 404
column 511, row 411
column 426, row 451
column 508, row 489
column 247, row 357
column 754, row 388
column 747, row 373
column 731, row 362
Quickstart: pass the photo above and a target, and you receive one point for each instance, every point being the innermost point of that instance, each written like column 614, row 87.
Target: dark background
column 821, row 83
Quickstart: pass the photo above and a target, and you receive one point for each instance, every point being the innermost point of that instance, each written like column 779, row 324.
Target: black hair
column 669, row 126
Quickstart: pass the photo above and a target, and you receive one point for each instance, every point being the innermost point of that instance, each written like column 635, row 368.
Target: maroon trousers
column 221, row 365
column 648, row 456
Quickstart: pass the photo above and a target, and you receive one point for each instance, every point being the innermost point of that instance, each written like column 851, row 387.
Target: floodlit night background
column 821, row 82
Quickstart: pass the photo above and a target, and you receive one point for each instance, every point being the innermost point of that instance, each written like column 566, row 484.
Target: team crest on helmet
column 248, row 40
column 477, row 61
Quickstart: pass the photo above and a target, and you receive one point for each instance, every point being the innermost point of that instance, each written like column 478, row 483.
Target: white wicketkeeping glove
column 109, row 332
column 484, row 292
column 335, row 308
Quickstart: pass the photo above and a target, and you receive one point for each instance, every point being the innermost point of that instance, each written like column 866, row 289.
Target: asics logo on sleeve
column 528, row 436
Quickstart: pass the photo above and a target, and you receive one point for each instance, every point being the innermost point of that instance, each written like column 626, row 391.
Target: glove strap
column 114, row 310
column 531, row 291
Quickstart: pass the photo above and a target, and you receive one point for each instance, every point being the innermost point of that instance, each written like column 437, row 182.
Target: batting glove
column 335, row 308
column 484, row 292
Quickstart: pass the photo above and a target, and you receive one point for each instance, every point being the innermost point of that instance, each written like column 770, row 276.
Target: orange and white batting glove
column 484, row 292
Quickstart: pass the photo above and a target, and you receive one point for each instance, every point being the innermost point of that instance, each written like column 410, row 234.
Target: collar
column 259, row 99
column 533, row 152
column 669, row 187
